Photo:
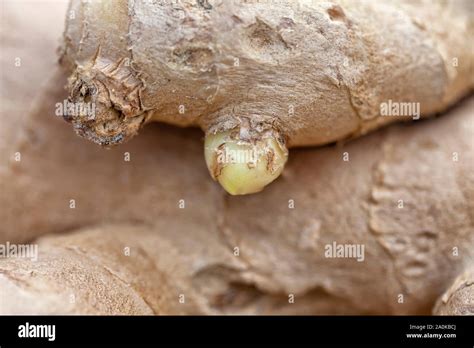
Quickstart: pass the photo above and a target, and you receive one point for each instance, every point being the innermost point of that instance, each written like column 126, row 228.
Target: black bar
column 342, row 330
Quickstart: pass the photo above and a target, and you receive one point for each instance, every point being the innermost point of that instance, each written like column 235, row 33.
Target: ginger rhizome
column 313, row 72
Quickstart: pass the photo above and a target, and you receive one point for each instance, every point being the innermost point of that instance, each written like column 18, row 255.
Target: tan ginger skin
column 173, row 251
column 296, row 72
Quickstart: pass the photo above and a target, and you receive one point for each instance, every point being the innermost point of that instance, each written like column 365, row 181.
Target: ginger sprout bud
column 245, row 164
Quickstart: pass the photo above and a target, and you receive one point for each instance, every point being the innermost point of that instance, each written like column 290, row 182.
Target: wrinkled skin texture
column 459, row 298
column 314, row 71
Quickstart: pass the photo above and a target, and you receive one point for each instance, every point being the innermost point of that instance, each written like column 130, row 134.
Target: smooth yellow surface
column 236, row 176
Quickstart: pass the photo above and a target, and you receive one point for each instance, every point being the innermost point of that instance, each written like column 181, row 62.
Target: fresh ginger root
column 405, row 193
column 303, row 72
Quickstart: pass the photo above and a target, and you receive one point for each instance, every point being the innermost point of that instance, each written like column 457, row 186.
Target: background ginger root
column 314, row 72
